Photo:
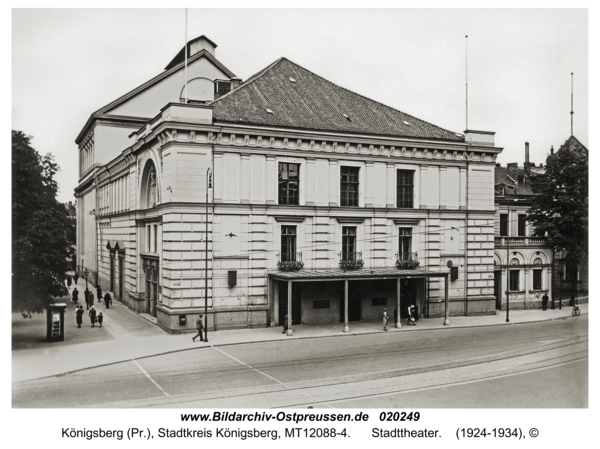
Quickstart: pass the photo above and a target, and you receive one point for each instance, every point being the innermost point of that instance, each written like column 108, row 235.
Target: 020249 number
column 399, row 416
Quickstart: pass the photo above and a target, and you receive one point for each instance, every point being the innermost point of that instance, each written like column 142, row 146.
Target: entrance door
column 296, row 302
column 121, row 275
column 112, row 272
column 354, row 301
column 498, row 288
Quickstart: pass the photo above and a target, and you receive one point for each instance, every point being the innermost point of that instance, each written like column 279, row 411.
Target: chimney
column 552, row 150
column 526, row 159
column 235, row 82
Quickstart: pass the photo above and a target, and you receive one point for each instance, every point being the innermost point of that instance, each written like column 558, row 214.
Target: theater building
column 282, row 192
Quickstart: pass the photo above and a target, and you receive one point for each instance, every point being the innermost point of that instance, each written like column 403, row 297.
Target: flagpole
column 571, row 103
column 186, row 56
column 466, row 82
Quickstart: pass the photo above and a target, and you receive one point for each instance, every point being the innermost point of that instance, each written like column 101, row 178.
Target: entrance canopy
column 348, row 275
column 341, row 275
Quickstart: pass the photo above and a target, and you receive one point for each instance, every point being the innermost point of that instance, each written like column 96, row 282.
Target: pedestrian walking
column 88, row 303
column 92, row 314
column 107, row 300
column 199, row 327
column 385, row 319
column 79, row 315
column 75, row 295
column 285, row 324
column 545, row 301
column 99, row 292
column 69, row 281
column 100, row 319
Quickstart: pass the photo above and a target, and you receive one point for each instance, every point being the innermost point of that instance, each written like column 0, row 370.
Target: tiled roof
column 312, row 102
column 503, row 176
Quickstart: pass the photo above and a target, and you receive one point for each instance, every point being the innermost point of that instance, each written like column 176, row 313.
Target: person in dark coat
column 416, row 309
column 99, row 293
column 75, row 295
column 107, row 300
column 88, row 303
column 545, row 301
column 199, row 327
column 92, row 314
column 100, row 318
column 79, row 315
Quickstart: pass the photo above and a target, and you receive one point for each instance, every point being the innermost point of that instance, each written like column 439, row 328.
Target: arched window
column 149, row 189
column 514, row 261
column 538, row 261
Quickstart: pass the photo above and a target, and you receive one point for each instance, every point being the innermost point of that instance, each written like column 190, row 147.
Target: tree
column 41, row 234
column 560, row 207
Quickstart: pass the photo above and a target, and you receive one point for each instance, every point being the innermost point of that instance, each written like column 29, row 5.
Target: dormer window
column 221, row 88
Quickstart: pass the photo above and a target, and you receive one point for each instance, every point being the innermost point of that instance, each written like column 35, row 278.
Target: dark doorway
column 121, row 275
column 498, row 288
column 408, row 295
column 354, row 301
column 296, row 302
column 112, row 272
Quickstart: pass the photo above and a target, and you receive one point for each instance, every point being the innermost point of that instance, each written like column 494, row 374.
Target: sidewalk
column 126, row 335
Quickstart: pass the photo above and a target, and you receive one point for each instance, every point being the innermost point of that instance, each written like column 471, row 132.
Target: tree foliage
column 560, row 207
column 42, row 233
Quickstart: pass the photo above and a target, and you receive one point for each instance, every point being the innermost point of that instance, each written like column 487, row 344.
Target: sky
column 68, row 63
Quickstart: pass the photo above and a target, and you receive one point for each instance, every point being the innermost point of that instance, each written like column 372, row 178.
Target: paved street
column 395, row 369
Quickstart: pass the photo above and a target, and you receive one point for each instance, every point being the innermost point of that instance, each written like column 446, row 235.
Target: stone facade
column 191, row 208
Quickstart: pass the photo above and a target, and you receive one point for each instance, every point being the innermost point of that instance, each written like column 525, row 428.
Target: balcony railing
column 407, row 261
column 351, row 260
column 521, row 241
column 290, row 261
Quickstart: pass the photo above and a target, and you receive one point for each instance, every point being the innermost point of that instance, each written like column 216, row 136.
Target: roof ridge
column 250, row 80
column 363, row 96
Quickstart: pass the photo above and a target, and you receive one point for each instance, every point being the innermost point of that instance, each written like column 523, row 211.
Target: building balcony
column 520, row 241
column 407, row 261
column 349, row 261
column 290, row 261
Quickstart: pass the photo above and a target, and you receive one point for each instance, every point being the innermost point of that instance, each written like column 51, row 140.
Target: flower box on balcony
column 409, row 264
column 290, row 265
column 351, row 264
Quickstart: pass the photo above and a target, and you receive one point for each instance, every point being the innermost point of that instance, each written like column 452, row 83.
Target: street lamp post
column 507, row 251
column 208, row 186
column 85, row 275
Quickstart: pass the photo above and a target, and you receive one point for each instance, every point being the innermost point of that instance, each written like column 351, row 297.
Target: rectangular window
column 288, row 243
column 405, row 244
column 349, row 186
column 378, row 302
column 289, row 183
column 148, row 249
column 504, row 225
column 349, row 243
column 571, row 273
column 537, row 279
column 514, row 280
column 321, row 304
column 405, row 188
column 155, row 238
column 522, row 221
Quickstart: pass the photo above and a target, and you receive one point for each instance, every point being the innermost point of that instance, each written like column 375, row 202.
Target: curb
column 286, row 339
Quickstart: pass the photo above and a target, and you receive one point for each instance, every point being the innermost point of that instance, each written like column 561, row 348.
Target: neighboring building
column 323, row 202
column 529, row 255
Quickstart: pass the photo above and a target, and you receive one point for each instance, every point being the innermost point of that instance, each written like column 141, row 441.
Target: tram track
column 330, row 389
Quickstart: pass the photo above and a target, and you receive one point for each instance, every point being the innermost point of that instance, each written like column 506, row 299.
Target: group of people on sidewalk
column 413, row 316
column 89, row 302
column 94, row 318
column 89, row 297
